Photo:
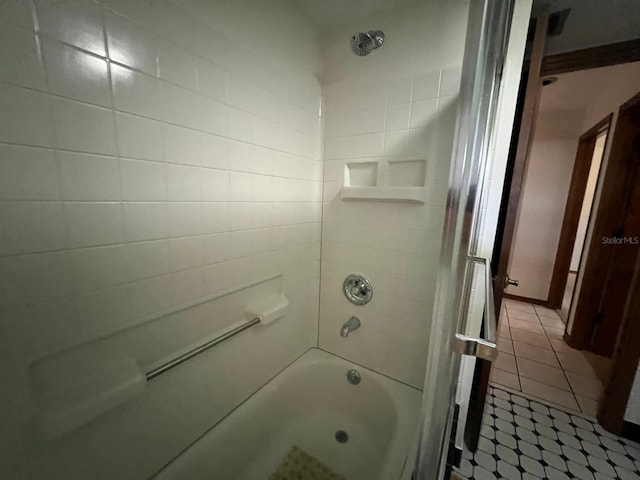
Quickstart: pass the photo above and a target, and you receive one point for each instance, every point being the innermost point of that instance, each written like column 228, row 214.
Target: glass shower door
column 485, row 50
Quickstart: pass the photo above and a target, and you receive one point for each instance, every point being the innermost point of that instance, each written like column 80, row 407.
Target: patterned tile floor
column 535, row 359
column 522, row 439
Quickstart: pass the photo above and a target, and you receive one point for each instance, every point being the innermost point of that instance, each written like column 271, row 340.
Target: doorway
column 574, row 114
column 611, row 261
column 584, row 179
column 538, row 357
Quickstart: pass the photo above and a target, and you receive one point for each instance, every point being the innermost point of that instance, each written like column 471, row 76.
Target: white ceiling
column 575, row 90
column 329, row 14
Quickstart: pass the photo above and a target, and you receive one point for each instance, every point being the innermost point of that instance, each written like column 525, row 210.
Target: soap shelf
column 392, row 194
column 385, row 180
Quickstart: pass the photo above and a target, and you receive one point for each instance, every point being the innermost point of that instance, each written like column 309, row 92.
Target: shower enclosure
column 185, row 187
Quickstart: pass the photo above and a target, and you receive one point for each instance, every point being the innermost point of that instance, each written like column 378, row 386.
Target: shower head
column 363, row 43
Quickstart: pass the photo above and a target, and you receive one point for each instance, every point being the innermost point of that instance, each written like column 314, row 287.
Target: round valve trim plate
column 357, row 288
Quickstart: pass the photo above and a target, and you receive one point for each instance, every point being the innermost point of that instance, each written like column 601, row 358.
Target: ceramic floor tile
column 521, row 306
column 505, row 346
column 525, row 316
column 531, row 352
column 549, row 393
column 539, row 441
column 531, row 338
column 506, row 362
column 543, row 443
column 528, row 326
column 588, row 406
column 546, row 312
column 560, row 346
column 542, row 373
column 504, row 330
column 576, row 362
column 553, row 332
column 506, row 379
column 552, row 322
column 589, row 387
column 601, row 365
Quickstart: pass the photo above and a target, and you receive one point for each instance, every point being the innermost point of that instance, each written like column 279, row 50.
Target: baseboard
column 631, row 431
column 535, row 301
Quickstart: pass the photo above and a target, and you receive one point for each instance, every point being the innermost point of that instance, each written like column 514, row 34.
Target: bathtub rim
column 323, row 354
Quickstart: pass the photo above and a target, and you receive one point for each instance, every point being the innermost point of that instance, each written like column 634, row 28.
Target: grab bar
column 484, row 348
column 165, row 367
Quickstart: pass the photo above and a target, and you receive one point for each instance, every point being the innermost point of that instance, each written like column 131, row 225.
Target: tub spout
column 352, row 324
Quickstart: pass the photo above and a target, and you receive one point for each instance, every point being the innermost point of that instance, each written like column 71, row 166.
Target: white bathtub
column 304, row 406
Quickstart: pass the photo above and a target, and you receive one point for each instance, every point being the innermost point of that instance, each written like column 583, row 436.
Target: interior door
column 624, row 239
column 528, row 103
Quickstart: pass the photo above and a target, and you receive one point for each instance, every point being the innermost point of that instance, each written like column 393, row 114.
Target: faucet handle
column 357, row 288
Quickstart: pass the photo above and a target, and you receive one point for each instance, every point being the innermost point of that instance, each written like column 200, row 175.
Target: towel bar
column 174, row 362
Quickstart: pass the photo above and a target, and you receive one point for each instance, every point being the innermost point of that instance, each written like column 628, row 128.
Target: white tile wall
column 148, row 160
column 392, row 106
column 152, row 153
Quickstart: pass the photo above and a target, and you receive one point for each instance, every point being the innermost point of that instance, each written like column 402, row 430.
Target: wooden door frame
column 519, row 151
column 598, row 256
column 627, row 354
column 573, row 209
column 594, row 57
column 625, row 363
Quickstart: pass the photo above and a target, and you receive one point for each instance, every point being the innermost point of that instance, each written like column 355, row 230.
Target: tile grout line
column 513, row 348
column 564, row 373
column 506, row 316
column 554, row 352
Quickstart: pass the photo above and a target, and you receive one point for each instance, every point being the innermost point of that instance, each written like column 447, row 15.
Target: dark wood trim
column 573, row 210
column 535, row 301
column 606, row 220
column 631, row 431
column 625, row 362
column 481, row 377
column 594, row 57
column 568, row 339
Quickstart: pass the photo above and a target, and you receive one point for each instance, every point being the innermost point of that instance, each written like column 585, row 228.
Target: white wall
column 398, row 102
column 149, row 158
column 542, row 202
column 569, row 107
column 587, row 202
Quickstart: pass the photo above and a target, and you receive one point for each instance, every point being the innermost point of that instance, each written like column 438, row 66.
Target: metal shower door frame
column 485, row 51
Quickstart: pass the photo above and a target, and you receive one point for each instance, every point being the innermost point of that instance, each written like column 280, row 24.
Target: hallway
column 535, row 360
